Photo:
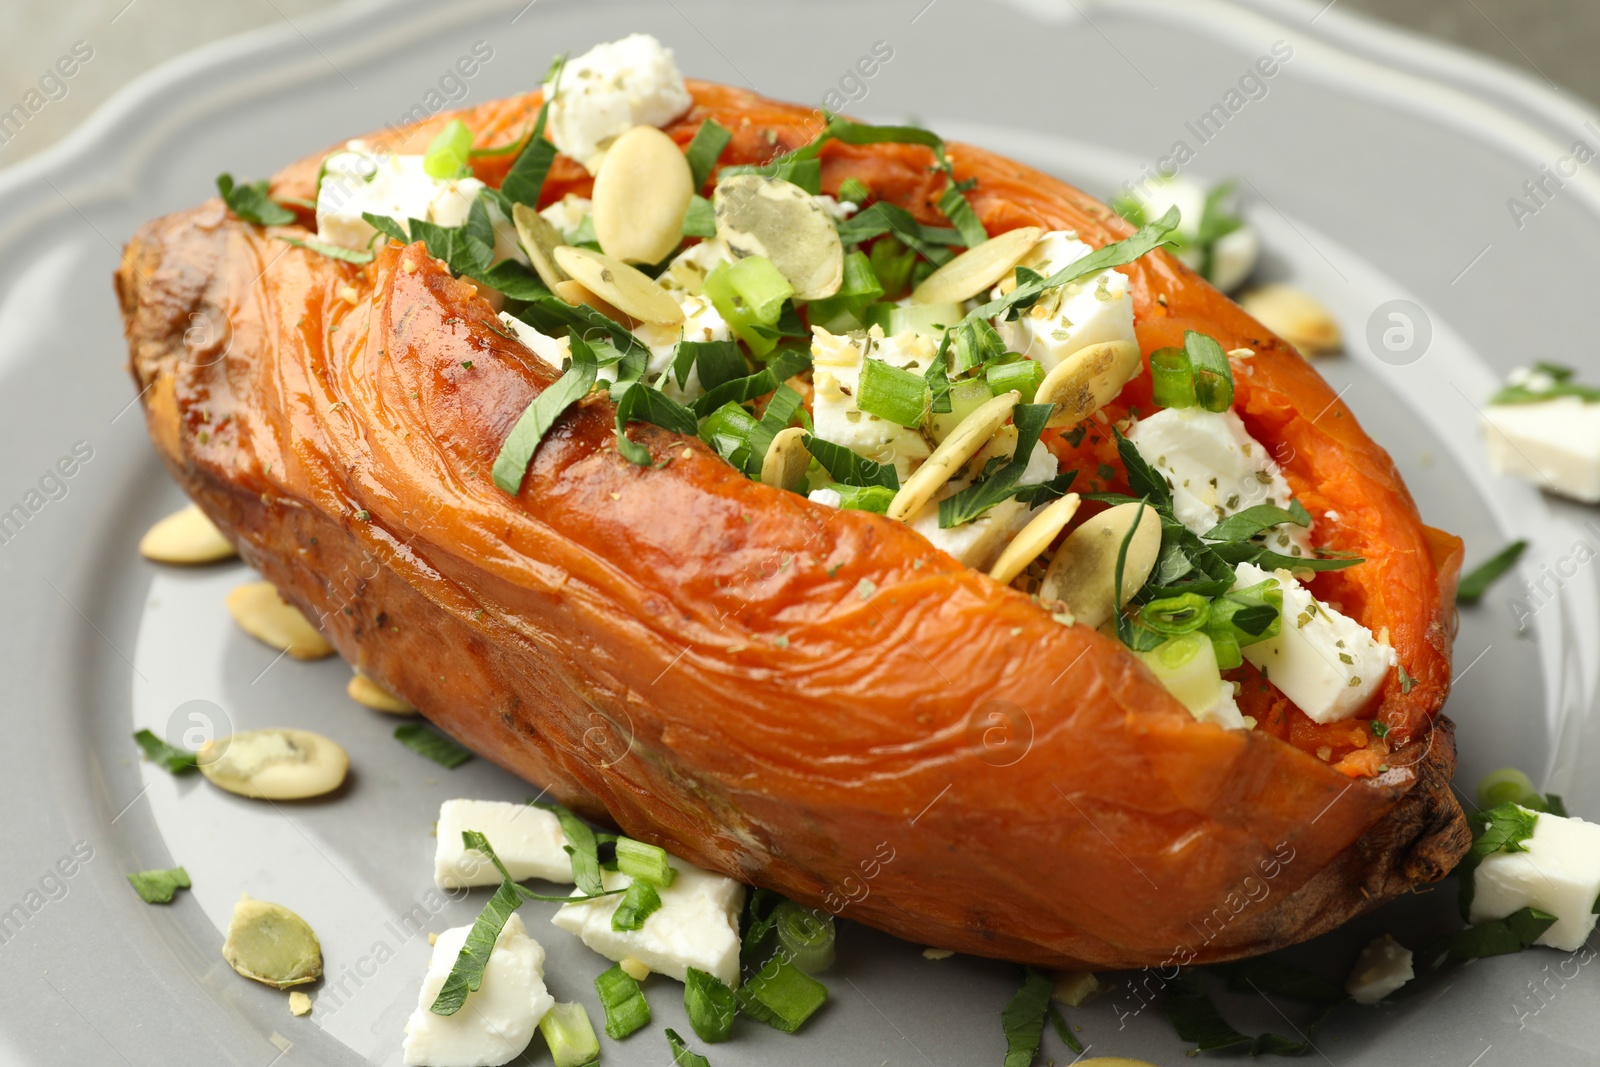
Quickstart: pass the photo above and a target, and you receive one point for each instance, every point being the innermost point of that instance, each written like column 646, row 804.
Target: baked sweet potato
column 812, row 700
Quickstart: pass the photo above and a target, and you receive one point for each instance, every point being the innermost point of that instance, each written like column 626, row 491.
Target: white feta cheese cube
column 610, row 89
column 1383, row 966
column 1225, row 712
column 1089, row 311
column 836, row 378
column 554, row 351
column 1234, row 256
column 527, row 839
column 1553, row 443
column 497, row 1022
column 696, row 926
column 1327, row 663
column 1216, row 469
column 1559, row 873
column 978, row 543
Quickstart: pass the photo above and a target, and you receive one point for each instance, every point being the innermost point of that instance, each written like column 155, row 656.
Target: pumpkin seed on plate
column 781, row 222
column 641, row 195
column 1296, row 316
column 1034, row 538
column 1083, row 573
column 271, row 944
column 977, row 269
column 786, row 460
column 626, row 288
column 274, row 764
column 539, row 239
column 185, row 536
column 263, row 614
column 1089, row 379
column 963, row 442
column 366, row 692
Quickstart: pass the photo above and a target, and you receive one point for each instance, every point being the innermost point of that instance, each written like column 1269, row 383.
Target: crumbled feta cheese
column 1327, row 663
column 837, row 361
column 497, row 1022
column 1383, row 966
column 610, row 89
column 1559, row 873
column 1216, row 469
column 1233, row 256
column 394, row 187
column 1089, row 311
column 568, row 213
column 689, row 268
column 702, row 322
column 696, row 926
column 1225, row 712
column 837, row 210
column 830, row 497
column 554, row 351
column 1551, row 443
column 527, row 839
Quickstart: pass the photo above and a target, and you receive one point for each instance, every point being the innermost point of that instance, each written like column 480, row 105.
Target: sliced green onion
column 749, row 294
column 1509, row 785
column 1176, row 615
column 623, row 1002
column 808, row 936
column 873, row 498
column 681, row 1056
column 1023, row 375
column 1187, row 667
column 570, row 1035
column 641, row 861
column 930, row 320
column 854, row 191
column 976, row 343
column 782, row 996
column 1172, row 378
column 710, row 1004
column 448, row 152
column 639, row 903
column 891, row 393
column 1213, row 375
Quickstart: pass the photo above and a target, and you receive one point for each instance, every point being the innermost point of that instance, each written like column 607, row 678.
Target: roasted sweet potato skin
column 810, row 700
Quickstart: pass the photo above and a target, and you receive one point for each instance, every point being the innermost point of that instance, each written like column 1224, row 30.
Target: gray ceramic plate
column 1378, row 168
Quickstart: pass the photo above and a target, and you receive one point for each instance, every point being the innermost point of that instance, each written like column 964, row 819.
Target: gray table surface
column 1551, row 39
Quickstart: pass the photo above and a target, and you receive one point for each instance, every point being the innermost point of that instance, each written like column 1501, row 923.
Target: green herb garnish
column 1515, row 932
column 157, row 887
column 466, row 976
column 1023, row 1019
column 1477, row 581
column 175, row 760
column 426, row 741
column 511, row 466
column 681, row 1056
column 704, row 151
column 251, row 203
column 332, row 251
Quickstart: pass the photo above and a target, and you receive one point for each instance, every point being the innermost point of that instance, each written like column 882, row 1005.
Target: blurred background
column 1549, row 39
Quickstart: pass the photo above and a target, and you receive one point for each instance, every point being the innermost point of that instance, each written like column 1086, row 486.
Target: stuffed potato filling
column 834, row 346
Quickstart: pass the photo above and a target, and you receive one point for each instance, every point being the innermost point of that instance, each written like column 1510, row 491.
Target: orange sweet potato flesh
column 806, row 699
